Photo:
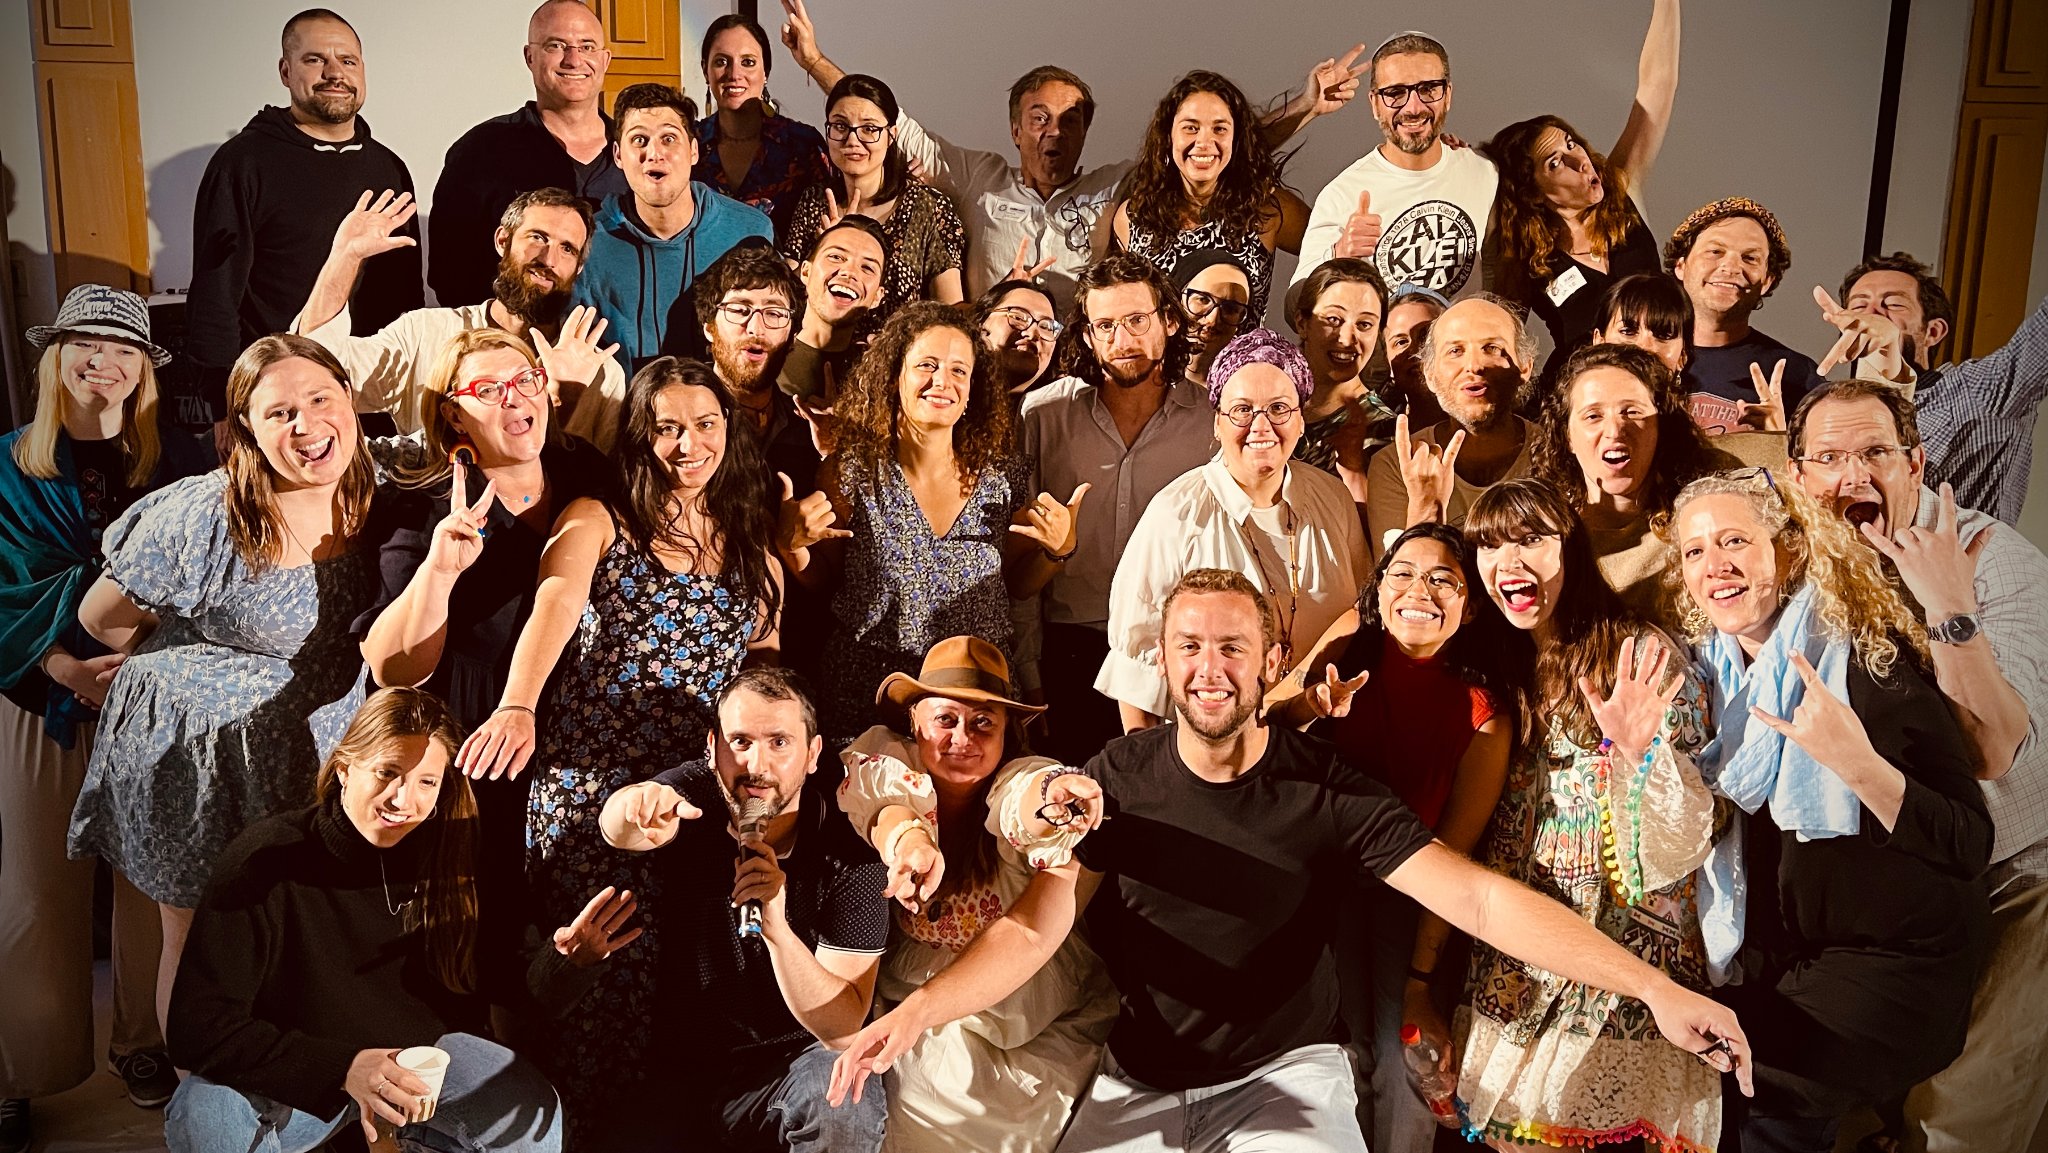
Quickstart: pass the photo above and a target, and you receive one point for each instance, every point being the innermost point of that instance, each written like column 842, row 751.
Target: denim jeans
column 492, row 1099
column 1299, row 1102
column 751, row 1109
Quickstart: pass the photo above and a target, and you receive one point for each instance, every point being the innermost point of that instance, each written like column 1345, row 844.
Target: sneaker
column 148, row 1075
column 14, row 1127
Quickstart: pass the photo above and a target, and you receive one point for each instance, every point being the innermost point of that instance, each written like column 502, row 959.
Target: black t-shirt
column 1718, row 377
column 719, row 988
column 1216, row 919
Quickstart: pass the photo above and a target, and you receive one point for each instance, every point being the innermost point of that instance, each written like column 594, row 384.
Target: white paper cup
column 430, row 1065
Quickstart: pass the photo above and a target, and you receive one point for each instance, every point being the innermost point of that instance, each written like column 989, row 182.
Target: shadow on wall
column 173, row 190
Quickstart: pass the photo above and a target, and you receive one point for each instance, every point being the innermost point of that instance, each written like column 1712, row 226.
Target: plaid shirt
column 2012, row 599
column 1977, row 419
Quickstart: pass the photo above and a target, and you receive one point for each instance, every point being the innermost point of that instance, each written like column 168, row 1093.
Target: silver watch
column 1960, row 629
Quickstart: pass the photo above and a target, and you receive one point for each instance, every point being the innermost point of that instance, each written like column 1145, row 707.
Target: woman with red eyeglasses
column 467, row 509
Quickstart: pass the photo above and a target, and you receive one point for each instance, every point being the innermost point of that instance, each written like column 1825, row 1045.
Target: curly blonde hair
column 1855, row 601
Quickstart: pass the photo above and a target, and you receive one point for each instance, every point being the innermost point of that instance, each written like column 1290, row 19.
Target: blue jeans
column 752, row 1109
column 492, row 1099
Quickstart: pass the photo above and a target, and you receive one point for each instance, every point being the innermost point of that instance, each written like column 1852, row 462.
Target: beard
column 741, row 376
column 539, row 306
column 330, row 107
column 1230, row 723
column 1410, row 144
column 1129, row 373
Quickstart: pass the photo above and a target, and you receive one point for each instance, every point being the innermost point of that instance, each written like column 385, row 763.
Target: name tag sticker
column 1009, row 210
column 1569, row 281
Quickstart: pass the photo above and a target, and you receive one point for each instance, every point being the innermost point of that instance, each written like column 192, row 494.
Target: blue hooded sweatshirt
column 641, row 285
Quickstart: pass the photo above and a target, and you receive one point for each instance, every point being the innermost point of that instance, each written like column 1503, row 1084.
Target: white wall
column 21, row 155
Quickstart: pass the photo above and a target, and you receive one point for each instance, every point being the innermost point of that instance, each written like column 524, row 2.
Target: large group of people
column 824, row 638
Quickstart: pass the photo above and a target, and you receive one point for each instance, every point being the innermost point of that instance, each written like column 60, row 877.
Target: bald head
column 566, row 53
column 1476, row 360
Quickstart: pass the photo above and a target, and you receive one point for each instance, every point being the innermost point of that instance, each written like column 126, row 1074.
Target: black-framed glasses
column 1137, row 324
column 1395, row 95
column 772, row 316
column 1242, row 415
column 1060, row 814
column 1022, row 320
column 839, row 130
column 1834, row 460
column 1437, row 582
column 1200, row 304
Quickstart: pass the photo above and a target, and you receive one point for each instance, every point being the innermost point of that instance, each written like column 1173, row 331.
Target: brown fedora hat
column 960, row 669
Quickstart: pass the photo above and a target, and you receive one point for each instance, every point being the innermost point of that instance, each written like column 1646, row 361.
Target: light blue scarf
column 1751, row 763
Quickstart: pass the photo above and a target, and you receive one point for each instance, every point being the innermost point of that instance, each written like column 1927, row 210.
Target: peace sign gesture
column 1331, row 697
column 1823, row 725
column 833, row 213
column 370, row 229
column 1631, row 715
column 1938, row 569
column 1768, row 416
column 1430, row 479
column 1332, row 83
column 1052, row 525
column 594, row 934
column 1020, row 269
column 799, row 35
column 459, row 537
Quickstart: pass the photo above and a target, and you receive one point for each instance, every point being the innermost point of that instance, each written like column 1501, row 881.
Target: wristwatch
column 1959, row 629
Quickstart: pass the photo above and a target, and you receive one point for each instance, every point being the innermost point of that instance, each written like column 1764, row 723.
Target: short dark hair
column 1654, row 300
column 284, row 39
column 749, row 265
column 1075, row 358
column 1891, row 396
column 635, row 97
column 895, row 169
column 752, row 27
column 1404, row 44
column 1337, row 270
column 989, row 301
column 1934, row 301
column 859, row 222
column 1046, row 74
column 515, row 212
column 770, row 683
column 1227, row 581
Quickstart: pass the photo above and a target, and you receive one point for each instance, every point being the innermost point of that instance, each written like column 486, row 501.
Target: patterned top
column 1248, row 249
column 1555, row 1059
column 1977, row 420
column 925, row 239
column 790, row 158
column 225, row 712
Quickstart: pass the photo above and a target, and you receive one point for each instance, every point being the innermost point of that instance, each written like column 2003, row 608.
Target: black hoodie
column 262, row 227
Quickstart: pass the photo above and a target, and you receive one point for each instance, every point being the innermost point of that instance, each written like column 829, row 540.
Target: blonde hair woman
column 232, row 595
column 88, row 453
column 1847, row 895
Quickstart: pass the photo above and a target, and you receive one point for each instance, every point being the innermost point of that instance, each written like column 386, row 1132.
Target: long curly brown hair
column 871, row 409
column 1247, row 195
column 1534, row 240
column 1682, row 451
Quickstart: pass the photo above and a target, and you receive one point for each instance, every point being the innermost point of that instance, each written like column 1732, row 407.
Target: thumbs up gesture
column 1361, row 235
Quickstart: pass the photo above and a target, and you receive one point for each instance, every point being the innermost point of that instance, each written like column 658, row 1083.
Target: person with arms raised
column 747, row 149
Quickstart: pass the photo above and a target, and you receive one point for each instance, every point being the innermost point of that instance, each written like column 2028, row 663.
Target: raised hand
column 1361, row 235
column 915, row 871
column 385, row 1091
column 500, row 747
column 1865, row 336
column 594, row 934
column 1052, row 525
column 1431, row 479
column 371, row 228
column 1022, row 269
column 1331, row 697
column 1768, row 416
column 1631, row 715
column 1332, row 83
column 1823, row 725
column 574, row 359
column 802, row 523
column 459, row 538
column 799, row 35
column 834, row 214
column 1939, row 570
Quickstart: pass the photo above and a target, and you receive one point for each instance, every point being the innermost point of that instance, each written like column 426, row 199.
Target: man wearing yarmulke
column 1730, row 255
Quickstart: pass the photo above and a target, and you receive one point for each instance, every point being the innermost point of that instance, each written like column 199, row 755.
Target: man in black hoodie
column 272, row 198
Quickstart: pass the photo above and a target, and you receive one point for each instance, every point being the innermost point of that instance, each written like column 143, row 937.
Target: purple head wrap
column 1260, row 346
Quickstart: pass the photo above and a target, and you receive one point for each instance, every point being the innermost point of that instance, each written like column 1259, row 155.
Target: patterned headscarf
column 1260, row 346
column 1690, row 228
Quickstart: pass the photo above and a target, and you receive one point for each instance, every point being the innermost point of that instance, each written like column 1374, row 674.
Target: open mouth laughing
column 1519, row 595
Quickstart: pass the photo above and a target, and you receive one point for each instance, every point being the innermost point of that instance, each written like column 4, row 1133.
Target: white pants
column 1299, row 1102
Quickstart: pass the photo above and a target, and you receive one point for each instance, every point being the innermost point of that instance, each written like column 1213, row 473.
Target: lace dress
column 1164, row 252
column 1552, row 1061
column 651, row 652
column 1003, row 1079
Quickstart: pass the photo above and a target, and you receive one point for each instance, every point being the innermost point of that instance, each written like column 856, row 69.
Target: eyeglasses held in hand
column 1060, row 814
column 1137, row 323
column 1242, row 415
column 1200, row 304
column 1021, row 319
column 1834, row 461
column 839, row 130
column 1436, row 582
column 492, row 392
column 1395, row 95
column 772, row 316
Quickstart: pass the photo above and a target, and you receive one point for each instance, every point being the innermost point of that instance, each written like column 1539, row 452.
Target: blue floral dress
column 225, row 713
column 652, row 651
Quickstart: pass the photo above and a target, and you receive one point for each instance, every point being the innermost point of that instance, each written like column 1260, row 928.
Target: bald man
column 559, row 139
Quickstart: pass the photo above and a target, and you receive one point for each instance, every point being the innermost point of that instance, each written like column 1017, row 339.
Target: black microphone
column 753, row 821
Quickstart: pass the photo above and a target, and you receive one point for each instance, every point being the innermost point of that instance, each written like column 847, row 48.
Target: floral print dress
column 651, row 652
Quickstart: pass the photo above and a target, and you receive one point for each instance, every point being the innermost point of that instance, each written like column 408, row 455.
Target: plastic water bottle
column 1438, row 1089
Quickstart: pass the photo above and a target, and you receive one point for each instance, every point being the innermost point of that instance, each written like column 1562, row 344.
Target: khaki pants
column 1992, row 1097
column 46, row 1035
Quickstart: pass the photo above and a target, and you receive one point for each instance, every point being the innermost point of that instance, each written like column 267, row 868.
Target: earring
column 768, row 103
column 431, row 810
column 464, row 452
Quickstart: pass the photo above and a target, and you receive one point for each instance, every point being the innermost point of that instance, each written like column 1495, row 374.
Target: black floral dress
column 651, row 653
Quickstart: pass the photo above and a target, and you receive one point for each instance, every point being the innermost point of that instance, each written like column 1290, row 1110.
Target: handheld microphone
column 753, row 821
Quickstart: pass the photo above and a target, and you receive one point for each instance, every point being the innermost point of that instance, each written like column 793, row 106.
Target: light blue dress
column 225, row 713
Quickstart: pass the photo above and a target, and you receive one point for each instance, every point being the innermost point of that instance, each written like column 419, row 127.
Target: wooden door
column 92, row 143
column 645, row 37
column 1995, row 193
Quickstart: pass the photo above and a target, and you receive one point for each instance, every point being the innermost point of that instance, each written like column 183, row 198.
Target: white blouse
column 1204, row 520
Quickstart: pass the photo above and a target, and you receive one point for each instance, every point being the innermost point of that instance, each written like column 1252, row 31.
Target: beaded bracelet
column 1627, row 885
column 903, row 828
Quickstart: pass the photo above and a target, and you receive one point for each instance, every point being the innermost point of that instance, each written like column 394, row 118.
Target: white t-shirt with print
column 1433, row 222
